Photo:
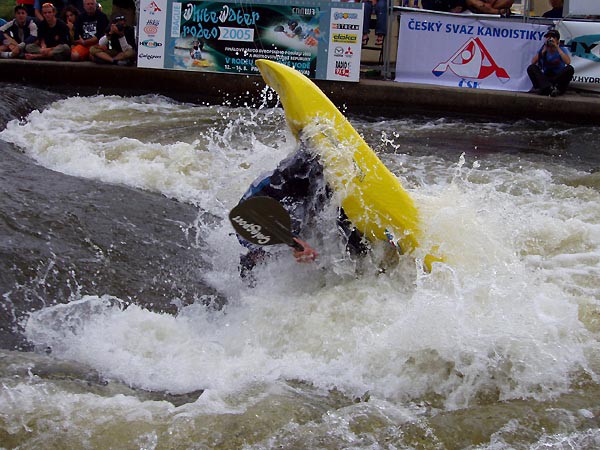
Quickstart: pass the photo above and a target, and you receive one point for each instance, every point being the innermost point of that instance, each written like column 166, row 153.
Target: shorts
column 82, row 50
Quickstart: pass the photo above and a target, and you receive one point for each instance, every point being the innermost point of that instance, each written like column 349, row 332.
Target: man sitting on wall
column 17, row 33
column 53, row 38
column 117, row 46
column 89, row 28
column 550, row 70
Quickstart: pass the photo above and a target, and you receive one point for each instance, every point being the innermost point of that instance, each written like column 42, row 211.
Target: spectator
column 90, row 26
column 117, row 46
column 58, row 4
column 53, row 37
column 550, row 70
column 69, row 16
column 501, row 7
column 557, row 9
column 124, row 8
column 17, row 33
column 380, row 24
column 29, row 6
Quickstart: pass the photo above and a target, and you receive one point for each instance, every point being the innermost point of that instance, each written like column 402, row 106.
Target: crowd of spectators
column 70, row 30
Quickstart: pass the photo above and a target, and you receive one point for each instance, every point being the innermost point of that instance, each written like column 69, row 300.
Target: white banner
column 152, row 28
column 343, row 61
column 583, row 40
column 581, row 8
column 466, row 52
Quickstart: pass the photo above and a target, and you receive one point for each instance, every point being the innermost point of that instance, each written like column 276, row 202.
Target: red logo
column 150, row 29
column 152, row 8
column 342, row 72
column 472, row 60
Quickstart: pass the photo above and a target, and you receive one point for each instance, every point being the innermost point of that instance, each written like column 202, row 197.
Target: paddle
column 263, row 221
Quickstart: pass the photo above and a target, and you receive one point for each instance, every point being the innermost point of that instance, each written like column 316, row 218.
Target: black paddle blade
column 263, row 221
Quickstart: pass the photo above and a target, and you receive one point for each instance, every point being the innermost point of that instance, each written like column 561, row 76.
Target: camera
column 120, row 27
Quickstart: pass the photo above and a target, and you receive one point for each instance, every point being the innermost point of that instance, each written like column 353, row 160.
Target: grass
column 7, row 8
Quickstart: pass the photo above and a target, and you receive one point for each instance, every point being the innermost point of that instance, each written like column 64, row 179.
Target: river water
column 124, row 324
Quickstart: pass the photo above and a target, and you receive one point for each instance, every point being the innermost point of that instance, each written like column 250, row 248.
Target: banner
column 466, row 52
column 583, row 40
column 317, row 39
column 581, row 8
column 151, row 34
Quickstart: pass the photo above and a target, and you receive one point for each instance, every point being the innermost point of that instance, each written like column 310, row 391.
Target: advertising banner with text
column 583, row 40
column 466, row 52
column 320, row 39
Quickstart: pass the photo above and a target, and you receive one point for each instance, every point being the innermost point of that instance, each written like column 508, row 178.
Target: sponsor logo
column 586, row 47
column 342, row 72
column 345, row 16
column 151, row 44
column 344, row 38
column 149, row 57
column 341, row 52
column 152, row 8
column 471, row 60
column 255, row 230
column 151, row 29
column 345, row 26
column 303, row 11
column 342, row 68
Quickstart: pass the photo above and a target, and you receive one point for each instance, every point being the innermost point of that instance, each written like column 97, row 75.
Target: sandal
column 365, row 39
column 379, row 40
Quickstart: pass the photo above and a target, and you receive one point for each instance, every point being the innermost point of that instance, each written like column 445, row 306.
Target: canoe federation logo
column 472, row 60
column 152, row 8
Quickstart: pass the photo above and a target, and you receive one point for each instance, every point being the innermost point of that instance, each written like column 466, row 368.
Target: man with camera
column 117, row 46
column 550, row 70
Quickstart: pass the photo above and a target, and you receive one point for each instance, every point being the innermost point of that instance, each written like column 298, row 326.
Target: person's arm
column 6, row 26
column 33, row 33
column 536, row 58
column 38, row 10
column 124, row 44
column 307, row 255
column 566, row 58
column 89, row 42
column 482, row 7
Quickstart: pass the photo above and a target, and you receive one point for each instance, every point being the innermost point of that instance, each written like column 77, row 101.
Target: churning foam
column 501, row 317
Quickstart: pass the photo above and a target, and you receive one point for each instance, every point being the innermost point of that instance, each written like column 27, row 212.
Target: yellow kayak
column 372, row 197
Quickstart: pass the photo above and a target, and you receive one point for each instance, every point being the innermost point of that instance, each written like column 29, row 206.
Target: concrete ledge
column 369, row 96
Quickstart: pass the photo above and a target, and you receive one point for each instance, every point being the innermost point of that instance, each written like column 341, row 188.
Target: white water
column 512, row 314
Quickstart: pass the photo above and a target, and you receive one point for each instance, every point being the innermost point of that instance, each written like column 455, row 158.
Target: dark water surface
column 62, row 235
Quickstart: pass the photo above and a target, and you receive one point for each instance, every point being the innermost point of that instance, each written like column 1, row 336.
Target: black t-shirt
column 554, row 13
column 442, row 5
column 59, row 34
column 87, row 27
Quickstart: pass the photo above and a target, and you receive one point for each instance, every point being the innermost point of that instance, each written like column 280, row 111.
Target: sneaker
column 554, row 92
